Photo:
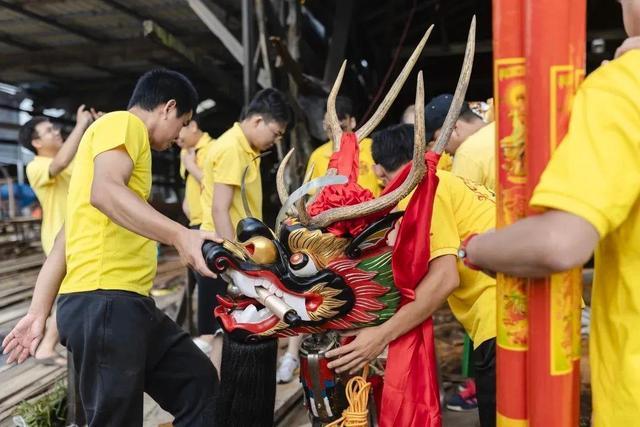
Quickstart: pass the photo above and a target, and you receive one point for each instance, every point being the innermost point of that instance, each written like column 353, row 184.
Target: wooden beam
column 248, row 45
column 131, row 12
column 12, row 41
column 206, row 66
column 338, row 43
column 108, row 54
column 80, row 32
column 264, row 48
column 218, row 29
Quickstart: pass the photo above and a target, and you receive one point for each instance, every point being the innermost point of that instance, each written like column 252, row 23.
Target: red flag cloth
column 410, row 397
column 346, row 161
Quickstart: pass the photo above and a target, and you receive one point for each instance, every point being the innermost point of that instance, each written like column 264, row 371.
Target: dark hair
column 393, row 147
column 197, row 119
column 467, row 114
column 158, row 86
column 28, row 132
column 344, row 107
column 271, row 104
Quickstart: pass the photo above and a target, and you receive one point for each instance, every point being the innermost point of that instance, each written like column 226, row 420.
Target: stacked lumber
column 17, row 280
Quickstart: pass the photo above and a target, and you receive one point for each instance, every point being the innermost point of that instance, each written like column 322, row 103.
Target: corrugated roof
column 49, row 41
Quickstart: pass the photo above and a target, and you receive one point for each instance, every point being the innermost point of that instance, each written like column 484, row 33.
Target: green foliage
column 47, row 411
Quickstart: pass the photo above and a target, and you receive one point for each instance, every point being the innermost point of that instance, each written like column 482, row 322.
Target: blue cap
column 436, row 112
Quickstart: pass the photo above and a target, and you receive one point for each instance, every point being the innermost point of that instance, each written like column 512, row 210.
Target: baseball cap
column 436, row 112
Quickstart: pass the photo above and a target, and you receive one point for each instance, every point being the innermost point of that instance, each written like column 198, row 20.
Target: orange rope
column 357, row 391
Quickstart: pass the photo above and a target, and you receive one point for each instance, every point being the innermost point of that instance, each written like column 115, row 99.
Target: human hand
column 189, row 245
column 96, row 114
column 84, row 117
column 630, row 43
column 188, row 156
column 24, row 338
column 368, row 344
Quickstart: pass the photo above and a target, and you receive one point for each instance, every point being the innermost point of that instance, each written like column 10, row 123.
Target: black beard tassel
column 247, row 393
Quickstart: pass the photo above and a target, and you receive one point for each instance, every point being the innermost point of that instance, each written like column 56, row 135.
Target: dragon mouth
column 262, row 303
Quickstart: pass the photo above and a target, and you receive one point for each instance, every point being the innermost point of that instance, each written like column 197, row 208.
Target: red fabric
column 410, row 397
column 346, row 161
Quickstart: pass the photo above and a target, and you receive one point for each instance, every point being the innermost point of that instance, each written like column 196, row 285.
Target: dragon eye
column 302, row 265
column 261, row 250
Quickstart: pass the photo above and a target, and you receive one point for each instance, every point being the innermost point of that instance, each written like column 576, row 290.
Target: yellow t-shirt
column 475, row 159
column 366, row 177
column 192, row 186
column 595, row 174
column 52, row 195
column 224, row 164
column 100, row 253
column 446, row 162
column 460, row 208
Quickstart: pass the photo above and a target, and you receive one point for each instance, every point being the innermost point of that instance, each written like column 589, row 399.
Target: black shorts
column 122, row 346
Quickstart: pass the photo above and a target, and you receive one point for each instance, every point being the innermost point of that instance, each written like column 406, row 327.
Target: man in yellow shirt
column 472, row 143
column 461, row 208
column 49, row 173
column 194, row 144
column 262, row 124
column 320, row 156
column 121, row 344
column 590, row 194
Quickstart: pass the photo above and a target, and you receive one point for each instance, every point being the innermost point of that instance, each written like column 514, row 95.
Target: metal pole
column 248, row 45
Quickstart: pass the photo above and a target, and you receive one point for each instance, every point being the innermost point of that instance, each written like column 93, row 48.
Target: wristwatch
column 462, row 253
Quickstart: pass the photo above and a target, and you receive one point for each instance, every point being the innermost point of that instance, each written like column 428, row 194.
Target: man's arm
column 535, row 246
column 24, row 338
column 434, row 289
column 222, row 199
column 70, row 146
column 190, row 164
column 111, row 196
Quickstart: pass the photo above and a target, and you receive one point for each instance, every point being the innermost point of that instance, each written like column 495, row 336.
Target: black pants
column 484, row 364
column 208, row 288
column 122, row 346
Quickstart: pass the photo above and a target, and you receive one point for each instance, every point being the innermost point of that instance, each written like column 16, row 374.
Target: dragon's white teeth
column 247, row 286
column 248, row 315
column 297, row 303
column 264, row 313
column 251, row 315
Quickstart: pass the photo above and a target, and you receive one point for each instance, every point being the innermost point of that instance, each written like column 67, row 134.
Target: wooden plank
column 17, row 297
column 14, row 312
column 205, row 65
column 218, row 29
column 23, row 263
column 338, row 44
column 14, row 290
column 39, row 382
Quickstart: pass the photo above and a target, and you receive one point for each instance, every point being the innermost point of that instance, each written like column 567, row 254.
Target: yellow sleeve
column 38, row 172
column 595, row 172
column 319, row 163
column 467, row 167
column 445, row 238
column 201, row 155
column 183, row 169
column 116, row 129
column 227, row 165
